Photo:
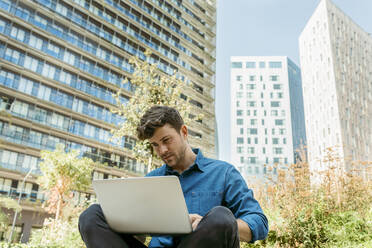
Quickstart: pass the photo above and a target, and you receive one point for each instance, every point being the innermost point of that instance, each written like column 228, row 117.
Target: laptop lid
column 144, row 205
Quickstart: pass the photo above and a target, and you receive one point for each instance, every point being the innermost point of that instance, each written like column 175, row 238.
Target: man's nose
column 163, row 149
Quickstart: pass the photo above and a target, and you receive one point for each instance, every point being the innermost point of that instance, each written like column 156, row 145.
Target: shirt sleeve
column 240, row 200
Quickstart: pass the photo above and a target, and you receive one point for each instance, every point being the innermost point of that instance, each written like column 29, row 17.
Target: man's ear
column 184, row 131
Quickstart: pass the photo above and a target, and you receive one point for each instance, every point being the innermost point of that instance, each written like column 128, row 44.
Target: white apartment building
column 336, row 65
column 267, row 121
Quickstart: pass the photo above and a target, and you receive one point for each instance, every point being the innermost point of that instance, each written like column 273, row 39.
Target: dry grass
column 335, row 210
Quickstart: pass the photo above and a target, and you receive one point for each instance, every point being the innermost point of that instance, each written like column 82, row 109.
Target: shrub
column 58, row 233
column 335, row 211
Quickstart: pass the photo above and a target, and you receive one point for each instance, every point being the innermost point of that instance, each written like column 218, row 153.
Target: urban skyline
column 271, row 28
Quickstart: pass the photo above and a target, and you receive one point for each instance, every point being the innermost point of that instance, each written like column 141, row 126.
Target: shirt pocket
column 209, row 200
column 192, row 202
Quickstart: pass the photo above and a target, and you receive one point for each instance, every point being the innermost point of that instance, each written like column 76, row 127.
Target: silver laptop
column 144, row 205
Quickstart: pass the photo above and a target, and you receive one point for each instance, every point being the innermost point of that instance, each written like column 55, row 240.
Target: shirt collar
column 198, row 165
column 199, row 159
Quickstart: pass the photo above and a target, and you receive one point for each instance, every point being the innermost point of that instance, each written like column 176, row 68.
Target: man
column 222, row 208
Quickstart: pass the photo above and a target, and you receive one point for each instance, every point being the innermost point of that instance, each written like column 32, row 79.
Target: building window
column 282, row 131
column 249, row 140
column 284, row 141
column 252, row 130
column 262, row 64
column 239, row 112
column 239, row 149
column 278, row 150
column 275, row 104
column 251, row 104
column 256, row 140
column 253, row 121
column 239, row 121
column 251, row 86
column 275, row 141
column 250, row 95
column 241, row 130
column 250, row 64
column 252, row 78
column 236, row 65
column 252, row 160
column 242, row 160
column 264, row 150
column 250, row 150
column 196, row 103
column 275, row 64
column 239, row 140
column 279, row 122
column 239, row 78
column 274, row 78
column 277, row 86
column 276, row 160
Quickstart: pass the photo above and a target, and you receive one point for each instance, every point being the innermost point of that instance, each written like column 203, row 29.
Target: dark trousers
column 217, row 229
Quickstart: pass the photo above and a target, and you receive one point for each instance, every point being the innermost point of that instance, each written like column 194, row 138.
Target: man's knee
column 89, row 219
column 221, row 218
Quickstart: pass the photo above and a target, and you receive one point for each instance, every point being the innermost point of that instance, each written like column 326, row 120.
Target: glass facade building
column 61, row 61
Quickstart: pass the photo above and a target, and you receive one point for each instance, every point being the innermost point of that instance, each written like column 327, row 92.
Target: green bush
column 14, row 245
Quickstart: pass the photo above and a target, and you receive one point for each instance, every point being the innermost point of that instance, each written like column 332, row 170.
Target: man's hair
column 158, row 116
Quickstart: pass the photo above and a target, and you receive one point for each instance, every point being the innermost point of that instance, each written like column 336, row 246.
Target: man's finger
column 195, row 224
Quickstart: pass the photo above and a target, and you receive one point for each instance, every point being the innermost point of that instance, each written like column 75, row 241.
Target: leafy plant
column 63, row 172
column 152, row 87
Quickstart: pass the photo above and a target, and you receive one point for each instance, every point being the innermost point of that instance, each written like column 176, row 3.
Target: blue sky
column 263, row 28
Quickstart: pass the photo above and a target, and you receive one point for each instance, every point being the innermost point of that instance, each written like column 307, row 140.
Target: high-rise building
column 60, row 63
column 267, row 122
column 336, row 65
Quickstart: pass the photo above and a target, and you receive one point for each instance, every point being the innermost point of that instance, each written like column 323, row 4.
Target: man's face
column 169, row 144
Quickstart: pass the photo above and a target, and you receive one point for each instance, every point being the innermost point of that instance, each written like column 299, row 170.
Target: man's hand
column 195, row 219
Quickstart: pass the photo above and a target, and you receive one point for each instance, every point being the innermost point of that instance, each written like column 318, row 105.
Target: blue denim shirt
column 209, row 183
